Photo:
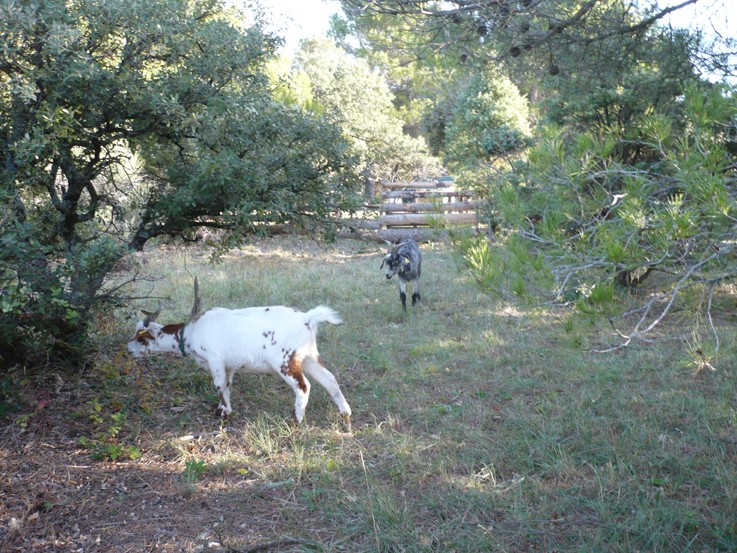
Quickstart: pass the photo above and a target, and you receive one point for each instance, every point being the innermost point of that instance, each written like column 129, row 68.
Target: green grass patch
column 478, row 425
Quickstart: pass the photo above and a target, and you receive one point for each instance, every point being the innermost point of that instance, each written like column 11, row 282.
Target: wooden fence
column 413, row 209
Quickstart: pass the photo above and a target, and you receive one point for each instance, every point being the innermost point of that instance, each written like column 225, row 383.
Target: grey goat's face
column 396, row 264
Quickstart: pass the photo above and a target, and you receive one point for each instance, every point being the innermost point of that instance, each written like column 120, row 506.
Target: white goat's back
column 255, row 337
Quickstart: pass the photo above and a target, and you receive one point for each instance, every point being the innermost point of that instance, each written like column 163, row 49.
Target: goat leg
column 403, row 293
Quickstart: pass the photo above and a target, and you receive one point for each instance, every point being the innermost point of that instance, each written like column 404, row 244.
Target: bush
column 601, row 225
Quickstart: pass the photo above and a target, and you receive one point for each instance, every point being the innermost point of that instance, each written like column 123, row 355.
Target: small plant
column 194, row 470
column 700, row 354
column 105, row 445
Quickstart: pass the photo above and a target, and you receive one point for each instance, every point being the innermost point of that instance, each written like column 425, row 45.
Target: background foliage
column 605, row 157
column 124, row 121
column 356, row 98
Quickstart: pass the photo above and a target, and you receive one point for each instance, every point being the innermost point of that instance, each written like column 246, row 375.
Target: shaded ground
column 57, row 497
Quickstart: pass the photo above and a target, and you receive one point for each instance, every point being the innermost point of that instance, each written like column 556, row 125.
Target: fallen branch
column 638, row 333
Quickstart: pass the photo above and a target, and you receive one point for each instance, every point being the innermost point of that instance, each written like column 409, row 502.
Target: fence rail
column 412, row 206
column 431, row 207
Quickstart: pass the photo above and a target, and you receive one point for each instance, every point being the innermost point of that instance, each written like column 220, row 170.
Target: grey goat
column 405, row 261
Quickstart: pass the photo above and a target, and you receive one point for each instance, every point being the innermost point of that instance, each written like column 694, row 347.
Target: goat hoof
column 347, row 423
column 220, row 412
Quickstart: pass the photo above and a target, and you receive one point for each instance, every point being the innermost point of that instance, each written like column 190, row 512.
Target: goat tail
column 322, row 314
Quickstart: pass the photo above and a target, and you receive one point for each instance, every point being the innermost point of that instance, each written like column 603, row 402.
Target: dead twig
column 278, row 544
column 639, row 333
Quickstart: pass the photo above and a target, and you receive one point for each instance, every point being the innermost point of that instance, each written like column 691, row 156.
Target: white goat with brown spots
column 256, row 339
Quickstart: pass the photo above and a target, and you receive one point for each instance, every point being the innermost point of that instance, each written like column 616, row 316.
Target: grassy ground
column 477, row 427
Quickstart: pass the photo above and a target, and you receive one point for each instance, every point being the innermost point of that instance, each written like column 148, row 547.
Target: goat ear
column 150, row 316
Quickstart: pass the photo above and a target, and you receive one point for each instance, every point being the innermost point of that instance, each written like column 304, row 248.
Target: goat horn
column 197, row 307
column 150, row 315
